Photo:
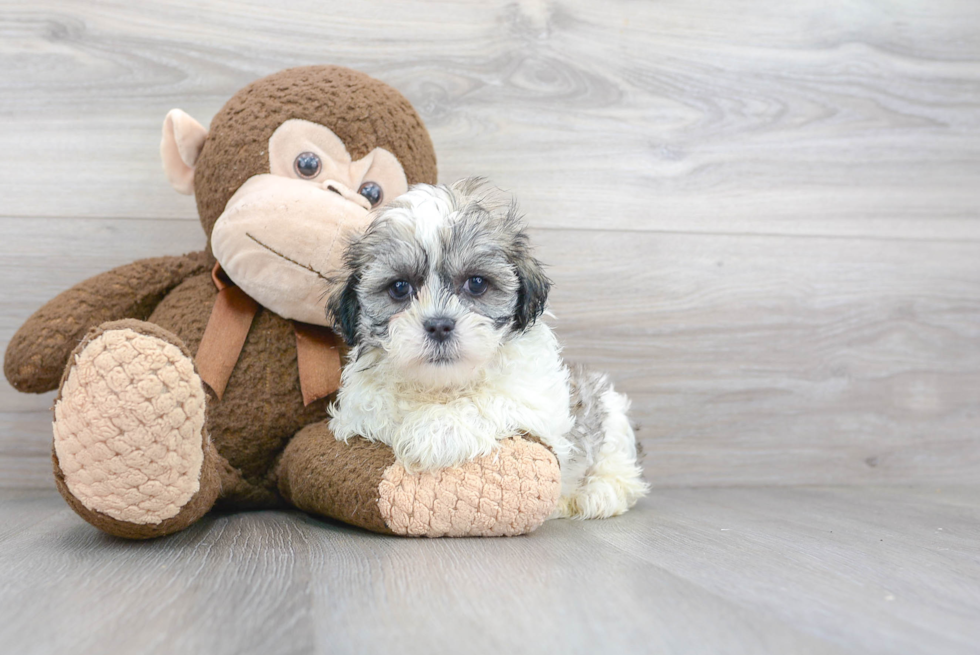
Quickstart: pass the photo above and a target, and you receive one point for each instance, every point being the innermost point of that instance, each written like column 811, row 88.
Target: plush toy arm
column 509, row 492
column 38, row 352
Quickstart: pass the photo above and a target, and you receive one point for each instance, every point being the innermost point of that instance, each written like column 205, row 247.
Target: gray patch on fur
column 586, row 388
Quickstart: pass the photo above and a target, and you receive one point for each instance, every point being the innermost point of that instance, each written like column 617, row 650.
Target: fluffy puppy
column 440, row 307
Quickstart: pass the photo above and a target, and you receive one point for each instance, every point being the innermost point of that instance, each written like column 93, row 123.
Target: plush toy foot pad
column 509, row 492
column 129, row 424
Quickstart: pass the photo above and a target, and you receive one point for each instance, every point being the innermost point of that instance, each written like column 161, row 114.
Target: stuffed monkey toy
column 186, row 382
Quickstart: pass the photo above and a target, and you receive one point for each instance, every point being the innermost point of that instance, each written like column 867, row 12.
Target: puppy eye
column 399, row 290
column 372, row 191
column 307, row 165
column 476, row 285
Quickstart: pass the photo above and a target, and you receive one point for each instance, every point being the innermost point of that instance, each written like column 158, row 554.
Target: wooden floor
column 762, row 218
column 748, row 570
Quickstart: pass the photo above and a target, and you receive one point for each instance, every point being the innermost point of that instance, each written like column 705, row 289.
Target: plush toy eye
column 372, row 191
column 307, row 165
column 476, row 285
column 399, row 290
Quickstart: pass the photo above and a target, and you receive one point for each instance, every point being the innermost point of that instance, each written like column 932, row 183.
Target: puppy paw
column 613, row 486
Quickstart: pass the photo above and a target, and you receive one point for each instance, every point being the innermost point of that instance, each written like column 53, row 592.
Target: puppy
column 440, row 306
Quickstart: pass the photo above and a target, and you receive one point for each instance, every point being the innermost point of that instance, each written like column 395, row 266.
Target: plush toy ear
column 183, row 138
column 345, row 310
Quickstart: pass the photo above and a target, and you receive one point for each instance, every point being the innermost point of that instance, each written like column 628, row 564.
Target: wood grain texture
column 847, row 118
column 755, row 571
column 40, row 258
column 761, row 218
column 750, row 359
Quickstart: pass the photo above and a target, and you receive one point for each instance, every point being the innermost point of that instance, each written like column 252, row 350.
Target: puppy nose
column 439, row 329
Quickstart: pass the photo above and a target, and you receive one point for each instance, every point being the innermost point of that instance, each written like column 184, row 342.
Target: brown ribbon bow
column 317, row 350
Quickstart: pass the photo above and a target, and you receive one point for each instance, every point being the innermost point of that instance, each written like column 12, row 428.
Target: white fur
column 406, row 346
column 522, row 388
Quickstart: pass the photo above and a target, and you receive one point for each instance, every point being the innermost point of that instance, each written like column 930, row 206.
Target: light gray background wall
column 761, row 216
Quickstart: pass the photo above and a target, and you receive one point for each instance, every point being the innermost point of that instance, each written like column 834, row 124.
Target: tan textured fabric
column 128, row 428
column 196, row 507
column 510, row 492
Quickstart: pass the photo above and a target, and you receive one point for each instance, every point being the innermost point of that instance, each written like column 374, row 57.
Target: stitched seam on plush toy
column 290, row 260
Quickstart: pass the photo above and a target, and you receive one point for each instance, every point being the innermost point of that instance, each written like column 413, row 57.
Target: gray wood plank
column 904, row 562
column 221, row 587
column 804, row 361
column 688, row 571
column 750, row 359
column 843, row 119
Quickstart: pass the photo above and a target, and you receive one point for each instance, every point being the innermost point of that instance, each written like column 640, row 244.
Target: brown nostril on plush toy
column 347, row 193
column 439, row 329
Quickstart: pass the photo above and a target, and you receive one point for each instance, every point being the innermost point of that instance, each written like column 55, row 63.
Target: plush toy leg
column 509, row 492
column 130, row 451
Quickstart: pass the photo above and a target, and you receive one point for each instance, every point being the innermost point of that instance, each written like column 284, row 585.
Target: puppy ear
column 532, row 292
column 345, row 310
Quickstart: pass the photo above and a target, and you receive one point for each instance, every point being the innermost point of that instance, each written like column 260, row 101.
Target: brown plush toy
column 202, row 379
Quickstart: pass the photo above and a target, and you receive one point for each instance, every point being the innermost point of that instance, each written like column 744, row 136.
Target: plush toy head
column 291, row 163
